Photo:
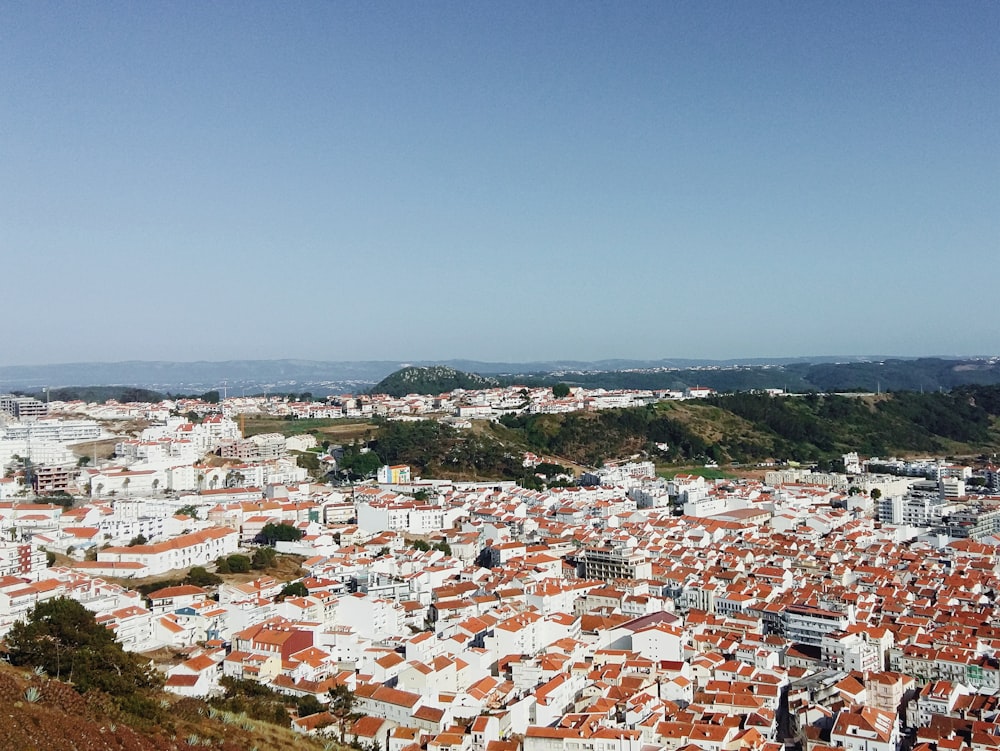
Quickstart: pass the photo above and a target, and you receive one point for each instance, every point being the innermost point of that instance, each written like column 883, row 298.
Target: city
column 620, row 611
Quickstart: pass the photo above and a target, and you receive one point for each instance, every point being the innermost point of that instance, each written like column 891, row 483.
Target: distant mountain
column 233, row 376
column 434, row 379
column 321, row 378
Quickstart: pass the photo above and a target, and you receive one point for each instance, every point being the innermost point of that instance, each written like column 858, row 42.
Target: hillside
column 434, row 379
column 752, row 427
column 737, row 428
column 323, row 378
column 877, row 375
column 42, row 713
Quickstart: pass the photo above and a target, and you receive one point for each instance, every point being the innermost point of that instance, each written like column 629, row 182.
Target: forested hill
column 435, row 379
column 924, row 374
column 324, row 378
column 737, row 428
column 749, row 427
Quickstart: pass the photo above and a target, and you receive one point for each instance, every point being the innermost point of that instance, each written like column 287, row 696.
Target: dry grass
column 335, row 431
column 57, row 717
column 103, row 449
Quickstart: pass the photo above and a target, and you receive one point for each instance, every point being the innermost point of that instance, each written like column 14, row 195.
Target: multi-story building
column 48, row 480
column 808, row 624
column 974, row 522
column 850, row 651
column 21, row 559
column 620, row 562
column 258, row 448
column 395, row 474
column 22, row 407
column 51, row 429
column 194, row 549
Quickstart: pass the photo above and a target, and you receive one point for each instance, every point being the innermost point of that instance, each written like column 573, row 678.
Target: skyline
column 351, row 182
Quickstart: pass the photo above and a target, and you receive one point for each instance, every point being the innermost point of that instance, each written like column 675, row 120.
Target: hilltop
column 433, row 379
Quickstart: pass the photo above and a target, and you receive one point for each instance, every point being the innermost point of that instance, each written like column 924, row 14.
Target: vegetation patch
column 435, row 379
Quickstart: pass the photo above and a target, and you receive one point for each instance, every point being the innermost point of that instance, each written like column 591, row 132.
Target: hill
column 738, row 428
column 877, row 375
column 114, row 701
column 123, row 394
column 44, row 713
column 433, row 379
column 322, row 378
column 751, row 427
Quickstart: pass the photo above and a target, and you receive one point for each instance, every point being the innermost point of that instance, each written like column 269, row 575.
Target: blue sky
column 498, row 181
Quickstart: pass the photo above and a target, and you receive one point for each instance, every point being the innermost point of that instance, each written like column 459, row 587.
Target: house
column 198, row 675
column 275, row 636
column 866, row 729
column 183, row 551
column 169, row 599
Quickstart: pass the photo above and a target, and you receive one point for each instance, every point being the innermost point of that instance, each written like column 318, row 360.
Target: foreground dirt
column 42, row 714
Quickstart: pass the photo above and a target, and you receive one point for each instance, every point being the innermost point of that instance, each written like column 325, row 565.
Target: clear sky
column 498, row 181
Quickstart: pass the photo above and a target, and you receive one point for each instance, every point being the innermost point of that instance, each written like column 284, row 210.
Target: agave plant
column 32, row 694
column 193, row 739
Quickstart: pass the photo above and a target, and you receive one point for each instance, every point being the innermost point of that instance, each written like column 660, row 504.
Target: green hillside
column 750, row 427
column 924, row 374
column 741, row 428
column 435, row 379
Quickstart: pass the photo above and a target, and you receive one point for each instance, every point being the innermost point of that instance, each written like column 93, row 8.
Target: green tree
column 293, row 589
column 137, row 540
column 444, row 547
column 341, row 705
column 560, row 391
column 876, row 494
column 358, row 464
column 199, row 576
column 284, row 532
column 263, row 558
column 61, row 637
column 234, row 479
column 239, row 564
column 308, row 705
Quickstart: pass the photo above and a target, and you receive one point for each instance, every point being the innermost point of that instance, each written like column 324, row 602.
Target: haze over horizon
column 500, row 182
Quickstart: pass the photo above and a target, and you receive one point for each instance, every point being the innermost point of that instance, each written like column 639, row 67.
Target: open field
column 103, row 449
column 333, row 430
column 668, row 471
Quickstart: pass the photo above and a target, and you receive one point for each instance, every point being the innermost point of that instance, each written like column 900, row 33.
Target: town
column 789, row 607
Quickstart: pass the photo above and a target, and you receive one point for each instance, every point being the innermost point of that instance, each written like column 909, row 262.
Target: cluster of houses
column 631, row 614
column 461, row 403
column 576, row 618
